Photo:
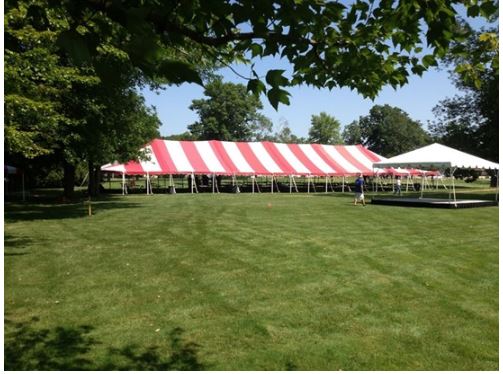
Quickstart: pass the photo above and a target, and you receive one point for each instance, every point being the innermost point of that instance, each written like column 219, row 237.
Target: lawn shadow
column 15, row 212
column 11, row 243
column 69, row 348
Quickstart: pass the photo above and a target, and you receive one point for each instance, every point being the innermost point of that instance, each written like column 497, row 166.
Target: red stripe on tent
column 252, row 160
column 194, row 157
column 329, row 160
column 279, row 159
column 369, row 154
column 133, row 167
column 223, row 157
column 349, row 157
column 161, row 153
column 301, row 156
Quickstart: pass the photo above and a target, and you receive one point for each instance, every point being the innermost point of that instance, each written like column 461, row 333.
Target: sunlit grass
column 262, row 282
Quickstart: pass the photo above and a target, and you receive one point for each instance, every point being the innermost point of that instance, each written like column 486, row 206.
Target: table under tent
column 439, row 158
column 278, row 163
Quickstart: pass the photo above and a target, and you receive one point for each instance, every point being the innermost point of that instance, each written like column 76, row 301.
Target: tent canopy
column 437, row 156
column 249, row 158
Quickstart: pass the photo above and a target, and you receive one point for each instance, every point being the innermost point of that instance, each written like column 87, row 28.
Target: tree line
column 73, row 69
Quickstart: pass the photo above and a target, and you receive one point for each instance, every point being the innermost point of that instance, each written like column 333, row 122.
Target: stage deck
column 432, row 203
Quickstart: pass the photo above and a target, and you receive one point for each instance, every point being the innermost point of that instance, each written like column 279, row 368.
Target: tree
column 470, row 122
column 325, row 129
column 67, row 113
column 352, row 133
column 363, row 45
column 186, row 135
column 229, row 113
column 389, row 131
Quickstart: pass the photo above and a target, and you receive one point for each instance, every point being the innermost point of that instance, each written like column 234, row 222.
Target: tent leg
column 123, row 183
column 272, row 183
column 147, row 183
column 213, row 183
column 454, row 189
column 343, row 180
column 422, row 186
column 497, row 186
column 290, row 179
column 191, row 183
column 308, row 184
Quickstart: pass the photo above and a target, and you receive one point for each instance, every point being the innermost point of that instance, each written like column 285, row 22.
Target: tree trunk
column 68, row 180
column 93, row 188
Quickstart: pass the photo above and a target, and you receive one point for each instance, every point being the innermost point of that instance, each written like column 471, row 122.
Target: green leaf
column 429, row 60
column 256, row 49
column 178, row 72
column 275, row 78
column 256, row 86
column 473, row 11
column 276, row 96
column 75, row 45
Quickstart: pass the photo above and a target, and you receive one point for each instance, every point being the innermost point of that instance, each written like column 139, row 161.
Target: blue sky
column 417, row 98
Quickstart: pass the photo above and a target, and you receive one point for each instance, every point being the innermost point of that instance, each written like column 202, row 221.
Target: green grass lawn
column 250, row 282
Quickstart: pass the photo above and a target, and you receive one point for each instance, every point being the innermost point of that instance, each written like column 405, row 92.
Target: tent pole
column 123, row 183
column 343, row 179
column 272, row 183
column 422, row 186
column 147, row 181
column 308, row 184
column 454, row 189
column 192, row 183
column 326, row 183
column 290, row 179
column 497, row 185
column 195, row 184
column 253, row 183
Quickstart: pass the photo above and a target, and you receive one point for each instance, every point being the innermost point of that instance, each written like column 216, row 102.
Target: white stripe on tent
column 294, row 162
column 151, row 165
column 315, row 158
column 117, row 168
column 339, row 159
column 178, row 156
column 358, row 155
column 209, row 157
column 237, row 158
column 264, row 158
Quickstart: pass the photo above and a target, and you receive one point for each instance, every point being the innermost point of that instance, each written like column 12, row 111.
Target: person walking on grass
column 398, row 189
column 359, row 190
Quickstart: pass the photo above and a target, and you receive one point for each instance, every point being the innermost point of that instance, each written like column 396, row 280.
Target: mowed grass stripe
column 263, row 282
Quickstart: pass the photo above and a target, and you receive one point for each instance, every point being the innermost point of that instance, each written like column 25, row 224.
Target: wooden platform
column 432, row 203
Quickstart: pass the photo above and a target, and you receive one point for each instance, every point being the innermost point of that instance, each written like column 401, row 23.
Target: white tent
column 438, row 157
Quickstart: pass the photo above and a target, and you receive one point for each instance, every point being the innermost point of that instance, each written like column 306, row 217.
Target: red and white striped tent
column 249, row 158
